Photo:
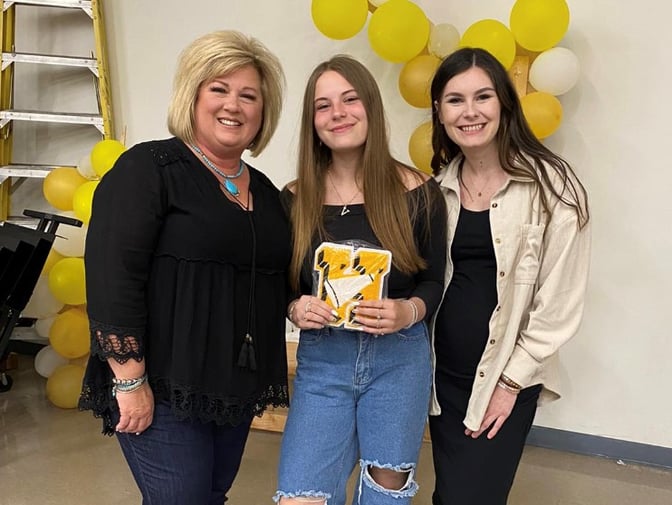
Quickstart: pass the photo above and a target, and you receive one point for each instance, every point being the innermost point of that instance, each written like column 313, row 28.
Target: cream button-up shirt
column 542, row 273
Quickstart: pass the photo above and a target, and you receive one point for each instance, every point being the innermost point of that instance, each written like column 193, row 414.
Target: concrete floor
column 50, row 456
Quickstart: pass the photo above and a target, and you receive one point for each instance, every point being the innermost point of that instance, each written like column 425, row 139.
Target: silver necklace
column 229, row 185
column 345, row 209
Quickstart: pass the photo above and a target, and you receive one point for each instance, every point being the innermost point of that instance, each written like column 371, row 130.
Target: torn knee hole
column 396, row 479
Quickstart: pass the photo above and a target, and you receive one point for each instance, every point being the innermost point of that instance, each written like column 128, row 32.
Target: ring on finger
column 307, row 307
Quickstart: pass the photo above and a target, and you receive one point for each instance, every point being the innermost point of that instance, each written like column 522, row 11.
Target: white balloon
column 443, row 40
column 42, row 303
column 70, row 239
column 47, row 360
column 555, row 71
column 43, row 325
column 85, row 169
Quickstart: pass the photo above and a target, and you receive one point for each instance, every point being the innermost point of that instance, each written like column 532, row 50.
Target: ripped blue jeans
column 355, row 396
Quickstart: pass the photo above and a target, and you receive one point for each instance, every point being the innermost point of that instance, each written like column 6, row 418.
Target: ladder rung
column 50, row 117
column 72, row 4
column 35, row 171
column 49, row 59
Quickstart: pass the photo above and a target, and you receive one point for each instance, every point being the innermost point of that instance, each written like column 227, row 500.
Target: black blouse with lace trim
column 168, row 276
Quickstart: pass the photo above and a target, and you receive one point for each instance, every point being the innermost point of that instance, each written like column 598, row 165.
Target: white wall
column 615, row 131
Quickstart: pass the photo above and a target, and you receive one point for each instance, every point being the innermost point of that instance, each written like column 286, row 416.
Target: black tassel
column 246, row 358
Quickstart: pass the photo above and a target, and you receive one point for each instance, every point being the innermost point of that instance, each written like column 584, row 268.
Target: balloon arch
column 399, row 32
column 58, row 303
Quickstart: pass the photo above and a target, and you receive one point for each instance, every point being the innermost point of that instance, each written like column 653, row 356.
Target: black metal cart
column 23, row 252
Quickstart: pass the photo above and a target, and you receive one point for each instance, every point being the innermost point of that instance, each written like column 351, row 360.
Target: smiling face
column 340, row 118
column 470, row 110
column 228, row 112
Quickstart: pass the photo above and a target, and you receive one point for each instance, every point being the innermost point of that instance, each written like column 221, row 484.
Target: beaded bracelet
column 414, row 310
column 508, row 388
column 127, row 385
column 290, row 311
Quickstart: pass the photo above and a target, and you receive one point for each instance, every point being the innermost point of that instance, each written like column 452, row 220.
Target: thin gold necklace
column 345, row 209
column 479, row 192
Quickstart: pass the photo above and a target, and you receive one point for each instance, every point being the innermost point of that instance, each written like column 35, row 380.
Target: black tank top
column 463, row 318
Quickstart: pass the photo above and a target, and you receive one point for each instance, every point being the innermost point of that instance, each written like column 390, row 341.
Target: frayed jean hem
column 302, row 494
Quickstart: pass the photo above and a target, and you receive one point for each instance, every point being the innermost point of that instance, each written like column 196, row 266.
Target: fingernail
column 334, row 313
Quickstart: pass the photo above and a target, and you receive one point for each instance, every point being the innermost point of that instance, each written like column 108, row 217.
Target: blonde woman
column 186, row 260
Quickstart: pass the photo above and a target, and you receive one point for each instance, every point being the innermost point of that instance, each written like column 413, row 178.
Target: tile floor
column 50, row 456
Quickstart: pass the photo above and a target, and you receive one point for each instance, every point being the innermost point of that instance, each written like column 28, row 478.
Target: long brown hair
column 520, row 152
column 385, row 194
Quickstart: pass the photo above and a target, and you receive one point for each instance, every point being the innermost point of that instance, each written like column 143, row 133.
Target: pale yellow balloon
column 555, row 71
column 443, row 39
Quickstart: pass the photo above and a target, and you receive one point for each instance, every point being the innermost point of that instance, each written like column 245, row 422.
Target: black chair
column 23, row 252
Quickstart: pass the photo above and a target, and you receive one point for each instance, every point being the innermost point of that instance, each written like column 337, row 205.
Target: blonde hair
column 216, row 54
column 385, row 192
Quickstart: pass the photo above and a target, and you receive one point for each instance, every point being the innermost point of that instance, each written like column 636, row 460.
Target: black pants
column 476, row 471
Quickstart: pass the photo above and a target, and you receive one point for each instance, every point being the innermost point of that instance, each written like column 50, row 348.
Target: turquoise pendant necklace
column 229, row 185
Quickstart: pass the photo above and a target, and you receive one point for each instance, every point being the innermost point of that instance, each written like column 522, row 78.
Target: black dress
column 179, row 274
column 471, row 471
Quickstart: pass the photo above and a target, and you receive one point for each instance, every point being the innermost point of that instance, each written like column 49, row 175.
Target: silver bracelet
column 414, row 310
column 127, row 385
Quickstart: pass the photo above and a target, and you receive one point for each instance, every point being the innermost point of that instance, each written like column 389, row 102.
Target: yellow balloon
column 494, row 37
column 59, row 186
column 415, row 79
column 64, row 386
column 67, row 281
column 82, row 200
column 539, row 25
column 69, row 333
column 543, row 113
column 53, row 258
column 398, row 31
column 339, row 20
column 104, row 154
column 420, row 147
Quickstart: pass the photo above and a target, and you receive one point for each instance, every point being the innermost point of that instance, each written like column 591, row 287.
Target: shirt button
column 498, row 241
column 481, row 374
column 492, row 342
column 502, row 274
column 494, row 205
column 498, row 307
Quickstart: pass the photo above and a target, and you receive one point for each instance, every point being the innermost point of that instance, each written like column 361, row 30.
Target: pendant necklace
column 345, row 209
column 479, row 192
column 228, row 184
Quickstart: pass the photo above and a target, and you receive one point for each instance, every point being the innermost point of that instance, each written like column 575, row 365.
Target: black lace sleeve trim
column 185, row 402
column 118, row 343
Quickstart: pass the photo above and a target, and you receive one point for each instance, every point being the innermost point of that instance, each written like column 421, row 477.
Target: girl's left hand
column 383, row 316
column 500, row 407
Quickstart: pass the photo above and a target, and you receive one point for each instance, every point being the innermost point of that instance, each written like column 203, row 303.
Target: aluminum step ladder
column 13, row 175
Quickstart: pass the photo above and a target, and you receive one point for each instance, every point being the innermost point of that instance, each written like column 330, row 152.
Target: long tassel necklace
column 246, row 356
column 228, row 184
